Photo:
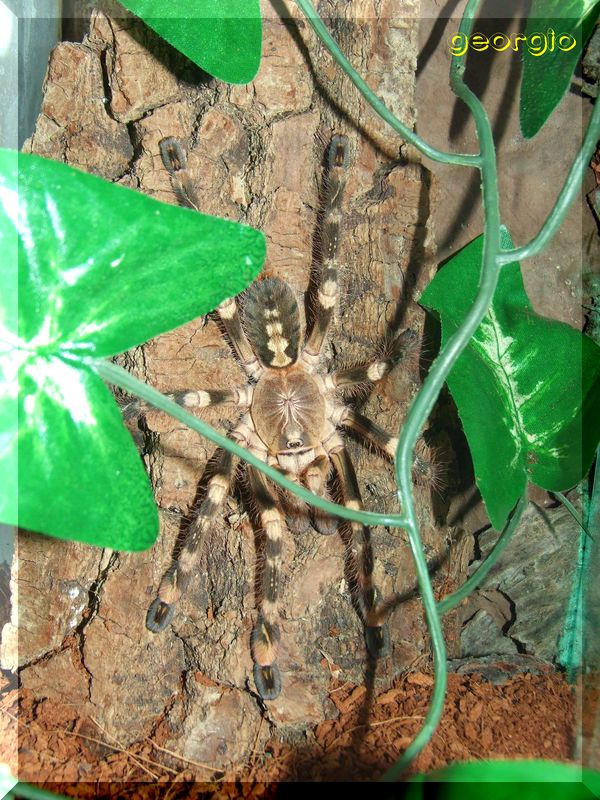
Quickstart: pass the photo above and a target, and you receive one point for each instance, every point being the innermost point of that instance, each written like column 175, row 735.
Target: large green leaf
column 99, row 269
column 223, row 37
column 103, row 268
column 527, row 388
column 549, row 61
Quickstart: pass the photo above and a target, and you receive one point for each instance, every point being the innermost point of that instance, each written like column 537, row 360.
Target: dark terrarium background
column 256, row 154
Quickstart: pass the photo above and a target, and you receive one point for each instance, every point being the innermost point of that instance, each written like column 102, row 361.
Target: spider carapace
column 292, row 416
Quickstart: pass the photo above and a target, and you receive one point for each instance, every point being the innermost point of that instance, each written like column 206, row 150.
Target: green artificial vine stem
column 480, row 574
column 26, row 791
column 424, row 401
column 566, row 196
column 464, row 159
column 113, row 373
column 573, row 512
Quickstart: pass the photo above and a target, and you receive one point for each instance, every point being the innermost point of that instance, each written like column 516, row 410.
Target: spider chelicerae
column 292, row 417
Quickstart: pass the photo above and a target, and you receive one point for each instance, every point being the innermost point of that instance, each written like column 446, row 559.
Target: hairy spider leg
column 314, row 478
column 203, row 398
column 363, row 591
column 177, row 577
column 338, row 160
column 195, row 398
column 379, row 368
column 230, row 317
column 297, row 515
column 300, row 515
column 266, row 635
column 425, row 471
column 175, row 162
column 369, row 430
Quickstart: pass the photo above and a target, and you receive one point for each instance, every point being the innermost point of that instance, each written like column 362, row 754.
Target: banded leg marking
column 326, row 299
column 425, row 471
column 338, row 160
column 203, row 398
column 376, row 370
column 177, row 577
column 314, row 478
column 195, row 398
column 230, row 317
column 365, row 593
column 266, row 634
column 370, row 431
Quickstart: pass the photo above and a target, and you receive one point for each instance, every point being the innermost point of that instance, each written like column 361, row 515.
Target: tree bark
column 256, row 153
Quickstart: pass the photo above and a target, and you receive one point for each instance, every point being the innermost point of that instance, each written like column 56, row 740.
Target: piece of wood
column 256, row 154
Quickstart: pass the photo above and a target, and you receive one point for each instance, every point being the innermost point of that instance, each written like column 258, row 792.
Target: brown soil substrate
column 528, row 716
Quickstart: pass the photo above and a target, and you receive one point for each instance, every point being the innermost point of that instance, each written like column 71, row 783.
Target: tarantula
column 291, row 417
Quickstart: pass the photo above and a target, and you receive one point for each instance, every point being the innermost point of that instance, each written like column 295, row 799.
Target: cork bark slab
column 256, row 154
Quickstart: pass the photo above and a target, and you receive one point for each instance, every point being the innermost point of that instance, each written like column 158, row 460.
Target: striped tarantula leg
column 314, row 478
column 369, row 430
column 177, row 577
column 425, row 471
column 365, row 594
column 377, row 370
column 131, row 407
column 203, row 398
column 230, row 317
column 297, row 515
column 175, row 162
column 266, row 636
column 193, row 398
column 338, row 159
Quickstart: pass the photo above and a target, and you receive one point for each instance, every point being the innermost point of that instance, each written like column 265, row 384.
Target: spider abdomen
column 272, row 322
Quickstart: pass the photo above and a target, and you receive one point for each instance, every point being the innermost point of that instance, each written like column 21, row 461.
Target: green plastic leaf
column 76, row 460
column 103, row 268
column 7, row 780
column 556, row 31
column 98, row 269
column 223, row 37
column 530, row 779
column 526, row 388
